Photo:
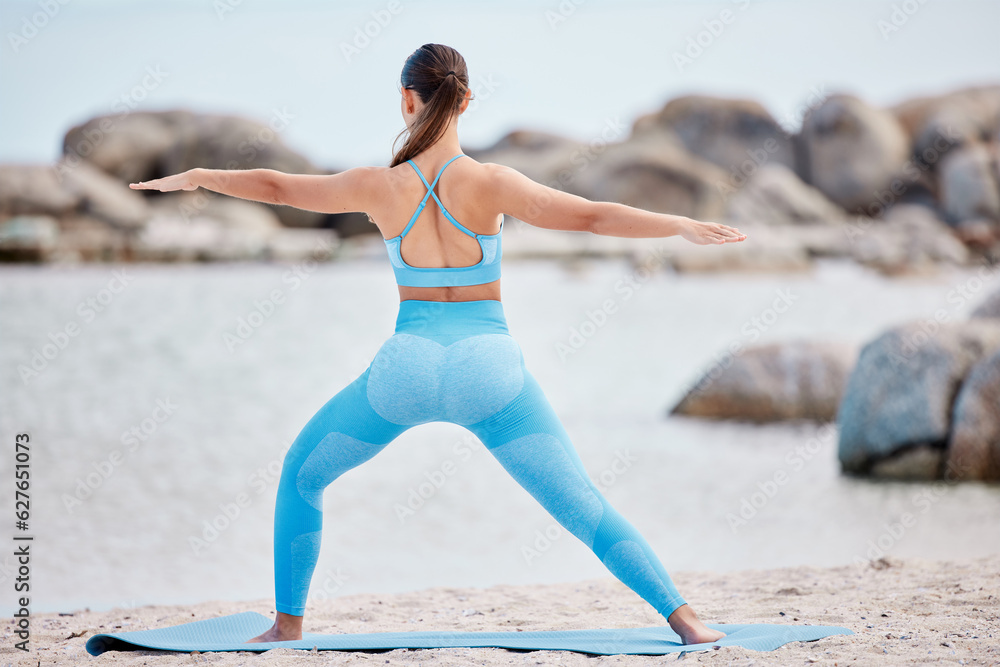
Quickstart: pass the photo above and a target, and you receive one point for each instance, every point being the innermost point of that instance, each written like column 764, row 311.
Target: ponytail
column 440, row 78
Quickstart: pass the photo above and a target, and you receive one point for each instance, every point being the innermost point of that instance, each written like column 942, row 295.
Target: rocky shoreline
column 920, row 401
column 902, row 189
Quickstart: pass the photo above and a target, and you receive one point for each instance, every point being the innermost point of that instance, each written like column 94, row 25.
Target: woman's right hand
column 704, row 233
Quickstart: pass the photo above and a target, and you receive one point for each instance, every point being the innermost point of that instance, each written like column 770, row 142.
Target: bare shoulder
column 496, row 182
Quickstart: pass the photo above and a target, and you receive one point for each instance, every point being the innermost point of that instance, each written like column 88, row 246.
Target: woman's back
column 450, row 253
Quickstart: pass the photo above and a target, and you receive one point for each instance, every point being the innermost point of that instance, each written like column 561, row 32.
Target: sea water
column 159, row 400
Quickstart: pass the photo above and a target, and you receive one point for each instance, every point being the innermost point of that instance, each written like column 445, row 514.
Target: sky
column 571, row 67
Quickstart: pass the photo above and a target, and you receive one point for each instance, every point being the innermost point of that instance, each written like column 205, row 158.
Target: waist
column 428, row 318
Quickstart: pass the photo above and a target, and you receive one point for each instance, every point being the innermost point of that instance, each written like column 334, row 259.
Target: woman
column 451, row 357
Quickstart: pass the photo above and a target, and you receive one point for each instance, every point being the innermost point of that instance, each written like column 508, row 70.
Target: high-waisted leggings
column 452, row 362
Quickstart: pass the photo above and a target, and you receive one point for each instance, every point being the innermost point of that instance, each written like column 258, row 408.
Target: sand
column 903, row 611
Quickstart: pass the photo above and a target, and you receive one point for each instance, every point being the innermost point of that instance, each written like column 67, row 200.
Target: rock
column 899, row 394
column 246, row 216
column 350, row 224
column 738, row 135
column 34, row 189
column 766, row 249
column 146, row 145
column 988, row 308
column 910, row 463
column 911, row 239
column 232, row 236
column 776, row 195
column 205, row 226
column 295, row 245
column 968, row 183
column 524, row 140
column 937, row 123
column 819, row 239
column 126, row 146
column 28, row 238
column 171, row 239
column 852, row 152
column 789, row 380
column 545, row 158
column 86, row 239
column 977, row 233
column 653, row 172
column 974, row 442
column 102, row 196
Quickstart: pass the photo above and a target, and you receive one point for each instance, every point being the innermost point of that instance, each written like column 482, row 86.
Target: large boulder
column 974, row 442
column 104, row 197
column 543, row 157
column 853, row 151
column 738, row 135
column 34, row 189
column 653, row 172
column 969, row 187
column 937, row 123
column 776, row 195
column 128, row 147
column 65, row 190
column 146, row 145
column 895, row 416
column 777, row 381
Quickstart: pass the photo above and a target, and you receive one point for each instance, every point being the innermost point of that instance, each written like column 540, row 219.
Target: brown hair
column 439, row 76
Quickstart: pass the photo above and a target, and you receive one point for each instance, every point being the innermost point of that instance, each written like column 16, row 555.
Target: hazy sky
column 533, row 65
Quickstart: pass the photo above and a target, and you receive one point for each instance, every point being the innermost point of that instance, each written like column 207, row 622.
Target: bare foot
column 690, row 628
column 286, row 628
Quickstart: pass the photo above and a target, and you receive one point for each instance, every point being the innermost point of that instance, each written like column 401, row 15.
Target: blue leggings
column 452, row 362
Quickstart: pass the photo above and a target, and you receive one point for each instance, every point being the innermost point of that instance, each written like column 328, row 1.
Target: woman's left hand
column 182, row 181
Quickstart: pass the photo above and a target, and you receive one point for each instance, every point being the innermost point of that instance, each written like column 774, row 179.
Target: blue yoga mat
column 227, row 633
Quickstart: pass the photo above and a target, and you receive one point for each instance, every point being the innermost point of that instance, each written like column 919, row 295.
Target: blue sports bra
column 487, row 270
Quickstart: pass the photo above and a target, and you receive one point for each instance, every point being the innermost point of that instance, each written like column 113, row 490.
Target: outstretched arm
column 348, row 191
column 517, row 195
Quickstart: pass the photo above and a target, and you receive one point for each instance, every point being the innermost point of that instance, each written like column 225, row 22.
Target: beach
column 903, row 612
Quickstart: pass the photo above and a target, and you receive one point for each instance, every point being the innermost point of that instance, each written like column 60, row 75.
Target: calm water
column 211, row 419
